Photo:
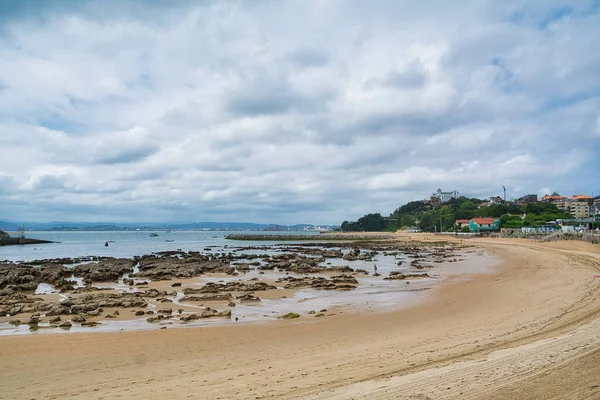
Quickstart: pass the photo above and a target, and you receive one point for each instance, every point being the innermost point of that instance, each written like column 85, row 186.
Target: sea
column 128, row 244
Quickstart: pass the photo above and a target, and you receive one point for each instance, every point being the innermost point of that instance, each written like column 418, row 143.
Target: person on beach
column 374, row 269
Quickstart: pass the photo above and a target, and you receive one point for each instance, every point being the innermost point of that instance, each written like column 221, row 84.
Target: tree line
column 430, row 219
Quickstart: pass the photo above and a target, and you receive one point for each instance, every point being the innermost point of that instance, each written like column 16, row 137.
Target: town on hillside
column 448, row 211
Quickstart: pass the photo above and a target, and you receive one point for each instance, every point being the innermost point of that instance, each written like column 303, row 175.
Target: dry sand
column 529, row 331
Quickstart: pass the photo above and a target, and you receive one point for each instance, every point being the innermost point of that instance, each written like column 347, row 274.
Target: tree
column 371, row 222
column 407, row 220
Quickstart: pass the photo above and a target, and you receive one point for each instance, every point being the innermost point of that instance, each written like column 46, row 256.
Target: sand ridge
column 493, row 335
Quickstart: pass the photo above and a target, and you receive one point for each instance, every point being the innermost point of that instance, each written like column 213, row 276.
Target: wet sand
column 527, row 331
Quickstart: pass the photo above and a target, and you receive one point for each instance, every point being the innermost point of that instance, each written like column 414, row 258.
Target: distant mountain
column 8, row 226
column 99, row 226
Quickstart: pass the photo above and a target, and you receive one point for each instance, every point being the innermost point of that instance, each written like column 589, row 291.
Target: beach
column 526, row 331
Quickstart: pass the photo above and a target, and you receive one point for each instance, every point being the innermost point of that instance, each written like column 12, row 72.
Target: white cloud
column 293, row 111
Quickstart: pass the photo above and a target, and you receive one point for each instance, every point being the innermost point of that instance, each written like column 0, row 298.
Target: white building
column 445, row 197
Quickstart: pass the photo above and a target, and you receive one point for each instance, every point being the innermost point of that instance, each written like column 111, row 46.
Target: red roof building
column 484, row 221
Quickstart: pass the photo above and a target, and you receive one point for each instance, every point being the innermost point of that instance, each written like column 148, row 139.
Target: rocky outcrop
column 206, row 313
column 91, row 302
column 209, row 297
column 248, row 298
column 107, row 270
column 19, row 277
column 212, row 287
column 340, row 282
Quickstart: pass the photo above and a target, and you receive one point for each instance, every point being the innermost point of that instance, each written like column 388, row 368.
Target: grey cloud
column 49, row 182
column 264, row 103
column 309, row 58
column 126, row 155
column 414, row 77
column 271, row 99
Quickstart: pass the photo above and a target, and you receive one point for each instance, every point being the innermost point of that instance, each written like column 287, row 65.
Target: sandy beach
column 527, row 331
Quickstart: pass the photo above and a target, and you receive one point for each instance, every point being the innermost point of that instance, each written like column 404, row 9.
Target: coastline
column 539, row 291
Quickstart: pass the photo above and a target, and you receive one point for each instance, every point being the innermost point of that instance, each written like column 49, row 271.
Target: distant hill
column 98, row 226
column 8, row 226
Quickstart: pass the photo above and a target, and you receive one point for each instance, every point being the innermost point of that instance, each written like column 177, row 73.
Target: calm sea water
column 124, row 244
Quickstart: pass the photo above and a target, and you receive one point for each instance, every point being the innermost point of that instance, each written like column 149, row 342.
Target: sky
column 299, row 111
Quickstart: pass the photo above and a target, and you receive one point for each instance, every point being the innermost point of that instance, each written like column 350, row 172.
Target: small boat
column 105, row 244
column 169, row 240
column 153, row 234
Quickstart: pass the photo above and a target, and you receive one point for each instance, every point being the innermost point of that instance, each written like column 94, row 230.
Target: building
column 444, row 197
column 413, row 229
column 555, row 198
column 495, row 200
column 596, row 207
column 529, row 198
column 461, row 223
column 580, row 206
column 484, row 225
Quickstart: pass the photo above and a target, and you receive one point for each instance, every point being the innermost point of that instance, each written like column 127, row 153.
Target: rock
column 58, row 309
column 176, row 284
column 319, row 315
column 238, row 286
column 67, row 288
column 224, row 313
column 110, row 316
column 191, row 317
column 209, row 297
column 290, row 315
column 168, row 311
column 312, row 312
column 92, row 301
column 138, row 313
column 90, row 324
column 231, row 304
column 395, row 275
column 15, row 322
column 152, row 293
column 155, row 319
column 65, row 325
column 248, row 298
column 208, row 312
column 78, row 318
column 95, row 313
column 106, row 270
column 34, row 319
column 55, row 320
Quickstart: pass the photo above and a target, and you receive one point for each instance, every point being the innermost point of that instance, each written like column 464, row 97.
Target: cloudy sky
column 291, row 111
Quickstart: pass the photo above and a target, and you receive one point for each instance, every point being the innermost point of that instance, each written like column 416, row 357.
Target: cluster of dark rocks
column 340, row 282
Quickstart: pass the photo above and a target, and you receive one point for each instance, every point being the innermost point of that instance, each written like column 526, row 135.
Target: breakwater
column 8, row 241
column 327, row 236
